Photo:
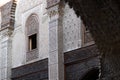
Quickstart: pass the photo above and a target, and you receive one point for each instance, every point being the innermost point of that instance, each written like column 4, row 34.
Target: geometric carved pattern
column 102, row 19
column 32, row 25
column 71, row 30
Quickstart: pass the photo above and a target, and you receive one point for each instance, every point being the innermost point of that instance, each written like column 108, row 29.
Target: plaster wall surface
column 0, row 19
column 0, row 56
column 19, row 43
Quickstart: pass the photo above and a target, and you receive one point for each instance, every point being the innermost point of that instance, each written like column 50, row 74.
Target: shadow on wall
column 91, row 75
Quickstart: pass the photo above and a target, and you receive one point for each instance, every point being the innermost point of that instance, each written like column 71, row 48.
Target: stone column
column 5, row 53
column 56, row 61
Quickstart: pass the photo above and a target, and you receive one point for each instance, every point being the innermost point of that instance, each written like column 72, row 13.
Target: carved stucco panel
column 32, row 26
column 71, row 30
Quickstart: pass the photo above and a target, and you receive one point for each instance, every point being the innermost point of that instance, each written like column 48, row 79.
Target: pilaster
column 56, row 61
column 5, row 53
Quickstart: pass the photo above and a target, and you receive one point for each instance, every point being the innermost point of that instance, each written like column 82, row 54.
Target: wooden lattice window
column 32, row 25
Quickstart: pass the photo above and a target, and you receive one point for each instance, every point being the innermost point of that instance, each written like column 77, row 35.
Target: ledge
column 4, row 28
column 81, row 54
column 39, row 69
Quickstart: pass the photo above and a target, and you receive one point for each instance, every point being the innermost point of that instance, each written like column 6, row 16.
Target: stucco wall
column 24, row 9
column 71, row 30
column 0, row 55
column 0, row 19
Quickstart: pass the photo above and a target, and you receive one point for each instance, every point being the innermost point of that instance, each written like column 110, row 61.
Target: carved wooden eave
column 102, row 18
column 12, row 12
column 8, row 15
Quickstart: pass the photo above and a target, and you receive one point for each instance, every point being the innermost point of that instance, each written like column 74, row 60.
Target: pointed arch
column 32, row 33
column 32, row 20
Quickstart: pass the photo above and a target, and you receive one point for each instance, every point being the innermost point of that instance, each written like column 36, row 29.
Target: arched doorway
column 91, row 75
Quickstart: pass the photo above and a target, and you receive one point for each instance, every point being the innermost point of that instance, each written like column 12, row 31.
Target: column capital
column 6, row 32
column 53, row 12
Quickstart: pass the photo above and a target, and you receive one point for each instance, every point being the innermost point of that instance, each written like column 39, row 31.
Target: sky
column 3, row 2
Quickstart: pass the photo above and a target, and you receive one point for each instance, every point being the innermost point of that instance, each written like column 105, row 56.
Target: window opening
column 32, row 42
